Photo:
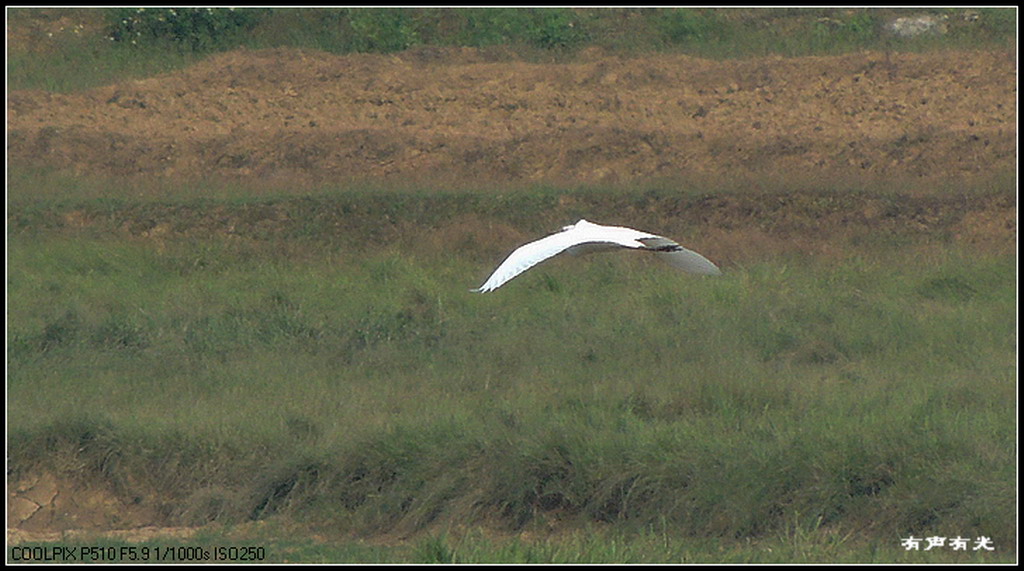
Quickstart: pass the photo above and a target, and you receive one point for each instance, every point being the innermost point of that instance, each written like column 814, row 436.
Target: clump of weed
column 197, row 29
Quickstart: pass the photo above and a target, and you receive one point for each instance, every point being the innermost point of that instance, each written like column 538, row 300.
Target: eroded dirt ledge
column 455, row 114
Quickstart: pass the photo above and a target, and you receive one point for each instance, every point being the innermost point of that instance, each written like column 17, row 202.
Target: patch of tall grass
column 870, row 395
column 76, row 61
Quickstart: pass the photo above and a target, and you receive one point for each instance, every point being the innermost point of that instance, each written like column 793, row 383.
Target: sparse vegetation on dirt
column 238, row 306
column 70, row 49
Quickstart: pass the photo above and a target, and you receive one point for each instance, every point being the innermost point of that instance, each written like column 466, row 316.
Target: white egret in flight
column 583, row 237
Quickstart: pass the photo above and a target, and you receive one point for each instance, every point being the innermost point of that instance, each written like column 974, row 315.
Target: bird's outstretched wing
column 529, row 255
column 679, row 257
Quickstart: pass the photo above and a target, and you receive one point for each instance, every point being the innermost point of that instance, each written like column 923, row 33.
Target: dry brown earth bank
column 457, row 115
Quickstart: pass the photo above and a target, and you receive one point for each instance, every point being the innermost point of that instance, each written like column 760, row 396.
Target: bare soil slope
column 458, row 115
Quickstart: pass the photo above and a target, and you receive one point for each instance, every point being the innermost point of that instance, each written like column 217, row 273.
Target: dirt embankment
column 459, row 115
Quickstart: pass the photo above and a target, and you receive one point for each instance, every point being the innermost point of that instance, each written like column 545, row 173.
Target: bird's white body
column 584, row 237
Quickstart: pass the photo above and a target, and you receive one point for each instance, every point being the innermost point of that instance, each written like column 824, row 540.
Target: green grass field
column 799, row 407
